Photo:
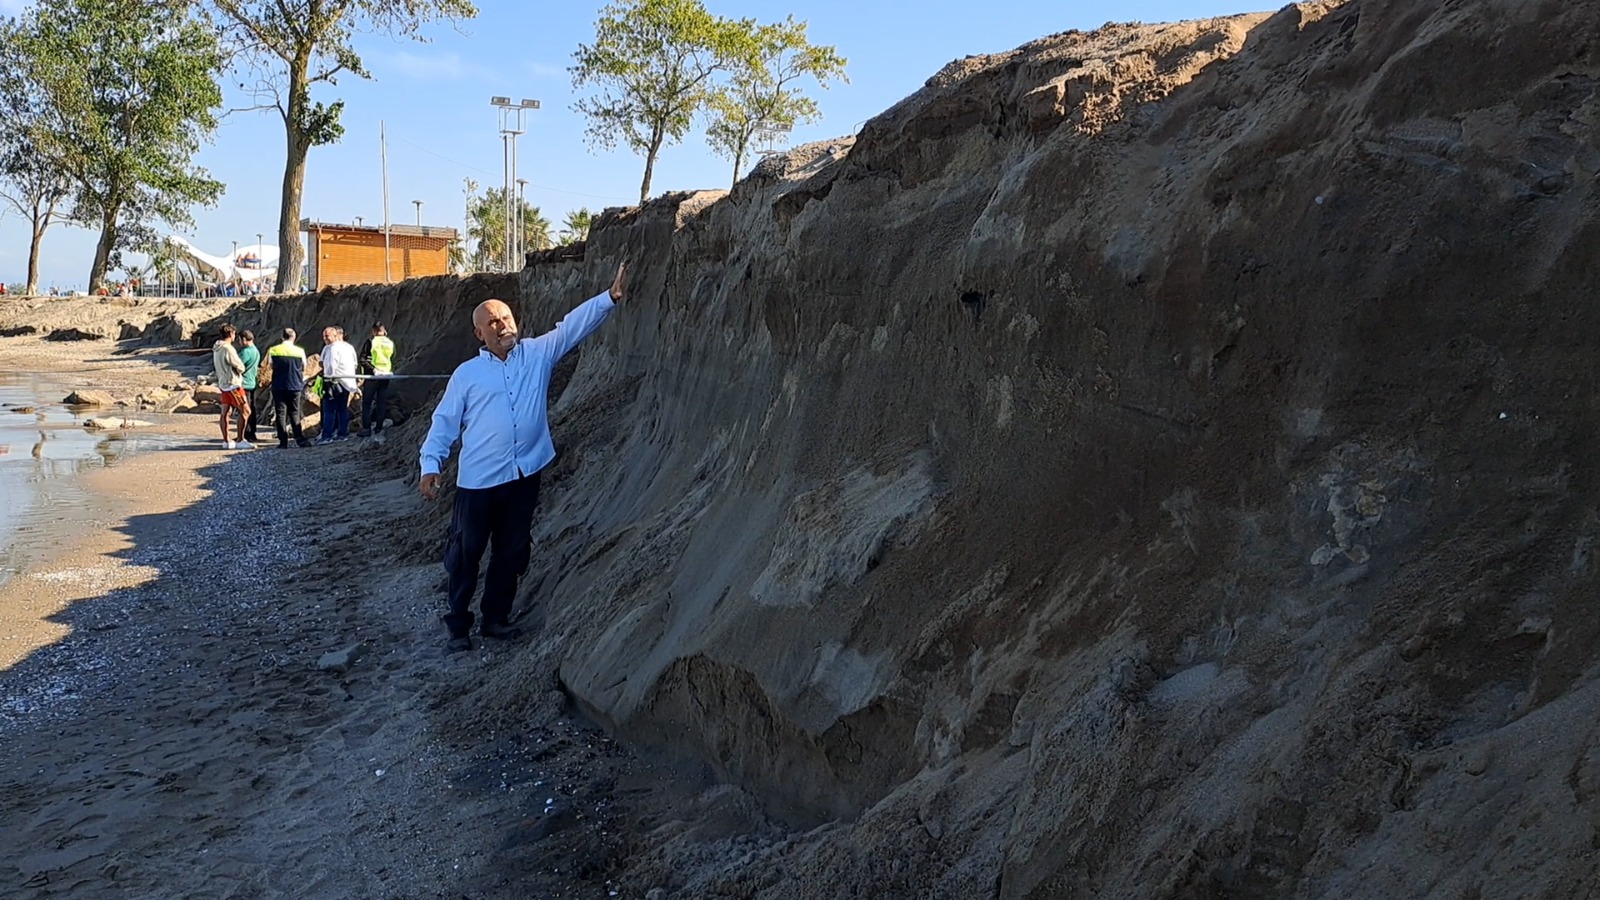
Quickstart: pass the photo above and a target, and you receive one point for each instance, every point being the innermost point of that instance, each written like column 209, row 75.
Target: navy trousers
column 335, row 410
column 499, row 519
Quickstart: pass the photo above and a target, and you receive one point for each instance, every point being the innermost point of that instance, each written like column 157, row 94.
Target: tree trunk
column 41, row 221
column 290, row 256
column 102, row 250
column 656, row 137
column 32, row 289
column 738, row 160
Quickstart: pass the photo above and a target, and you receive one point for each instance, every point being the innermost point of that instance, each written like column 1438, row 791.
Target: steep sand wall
column 1146, row 463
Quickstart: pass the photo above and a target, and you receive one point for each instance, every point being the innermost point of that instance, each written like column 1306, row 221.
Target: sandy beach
column 230, row 682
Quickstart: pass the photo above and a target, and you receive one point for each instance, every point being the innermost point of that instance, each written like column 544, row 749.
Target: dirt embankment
column 1148, row 463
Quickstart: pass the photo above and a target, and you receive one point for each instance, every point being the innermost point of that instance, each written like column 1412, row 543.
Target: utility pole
column 418, row 205
column 383, row 153
column 468, row 187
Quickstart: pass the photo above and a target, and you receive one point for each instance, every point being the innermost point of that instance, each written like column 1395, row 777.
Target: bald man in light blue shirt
column 495, row 405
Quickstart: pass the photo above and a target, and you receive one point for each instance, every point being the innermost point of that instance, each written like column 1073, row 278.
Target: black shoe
column 283, row 446
column 302, row 443
column 500, row 632
column 458, row 643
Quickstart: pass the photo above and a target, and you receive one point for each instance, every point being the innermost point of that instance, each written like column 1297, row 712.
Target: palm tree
column 486, row 225
column 576, row 227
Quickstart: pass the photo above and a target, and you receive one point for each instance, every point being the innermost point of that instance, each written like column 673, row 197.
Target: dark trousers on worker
column 286, row 410
column 499, row 519
column 335, row 410
column 253, row 420
column 374, row 397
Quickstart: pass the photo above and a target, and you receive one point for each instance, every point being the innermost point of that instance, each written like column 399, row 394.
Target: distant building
column 337, row 255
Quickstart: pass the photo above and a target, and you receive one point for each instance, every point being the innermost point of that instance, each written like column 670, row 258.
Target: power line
column 541, row 187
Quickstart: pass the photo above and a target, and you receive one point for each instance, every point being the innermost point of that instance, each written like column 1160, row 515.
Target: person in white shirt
column 495, row 405
column 338, row 383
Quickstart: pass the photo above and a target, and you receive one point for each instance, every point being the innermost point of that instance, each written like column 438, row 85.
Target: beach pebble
column 113, row 423
column 341, row 660
column 89, row 398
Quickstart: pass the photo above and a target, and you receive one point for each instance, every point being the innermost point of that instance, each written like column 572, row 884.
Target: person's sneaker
column 326, row 440
column 227, row 442
column 363, row 433
column 244, row 445
column 501, row 632
column 458, row 643
column 302, row 443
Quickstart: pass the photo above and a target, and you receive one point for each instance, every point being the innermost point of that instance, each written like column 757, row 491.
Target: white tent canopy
column 253, row 262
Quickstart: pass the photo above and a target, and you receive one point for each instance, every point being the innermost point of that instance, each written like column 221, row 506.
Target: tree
column 653, row 62
column 33, row 178
column 129, row 92
column 576, row 227
column 312, row 42
column 486, row 224
column 459, row 263
column 762, row 92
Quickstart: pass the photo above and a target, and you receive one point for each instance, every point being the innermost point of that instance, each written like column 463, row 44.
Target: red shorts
column 235, row 398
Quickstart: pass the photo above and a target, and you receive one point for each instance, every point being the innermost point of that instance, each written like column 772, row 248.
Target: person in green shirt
column 251, row 357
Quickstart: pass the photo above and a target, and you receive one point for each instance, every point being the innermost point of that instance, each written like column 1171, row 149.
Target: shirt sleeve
column 234, row 362
column 575, row 326
column 446, row 427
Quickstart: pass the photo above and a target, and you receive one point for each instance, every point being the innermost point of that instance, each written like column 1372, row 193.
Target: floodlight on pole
column 508, row 135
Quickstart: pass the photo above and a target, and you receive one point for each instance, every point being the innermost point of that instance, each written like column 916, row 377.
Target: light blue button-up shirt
column 498, row 408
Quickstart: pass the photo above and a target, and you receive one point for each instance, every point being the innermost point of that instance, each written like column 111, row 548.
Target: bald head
column 494, row 324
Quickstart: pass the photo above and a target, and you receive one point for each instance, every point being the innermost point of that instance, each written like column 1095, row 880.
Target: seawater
column 43, row 444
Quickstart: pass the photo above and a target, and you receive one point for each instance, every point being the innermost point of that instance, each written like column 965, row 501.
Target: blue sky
column 433, row 99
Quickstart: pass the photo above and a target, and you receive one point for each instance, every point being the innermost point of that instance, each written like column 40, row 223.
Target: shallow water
column 42, row 445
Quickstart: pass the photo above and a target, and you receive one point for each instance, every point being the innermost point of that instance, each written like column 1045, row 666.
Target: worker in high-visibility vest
column 288, row 363
column 376, row 358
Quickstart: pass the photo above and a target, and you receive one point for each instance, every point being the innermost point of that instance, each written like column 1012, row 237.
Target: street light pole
column 508, row 135
column 258, row 253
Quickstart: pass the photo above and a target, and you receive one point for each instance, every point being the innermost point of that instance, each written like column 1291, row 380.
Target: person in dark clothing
column 376, row 358
column 288, row 380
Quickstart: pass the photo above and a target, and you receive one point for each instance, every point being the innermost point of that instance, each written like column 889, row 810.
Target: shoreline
column 84, row 532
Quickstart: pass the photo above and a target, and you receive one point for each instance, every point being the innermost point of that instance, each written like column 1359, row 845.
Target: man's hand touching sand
column 429, row 486
column 618, row 285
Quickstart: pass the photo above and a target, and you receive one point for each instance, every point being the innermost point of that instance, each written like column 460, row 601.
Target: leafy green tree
column 762, row 91
column 486, row 225
column 33, row 176
column 130, row 92
column 576, row 227
column 306, row 42
column 653, row 62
